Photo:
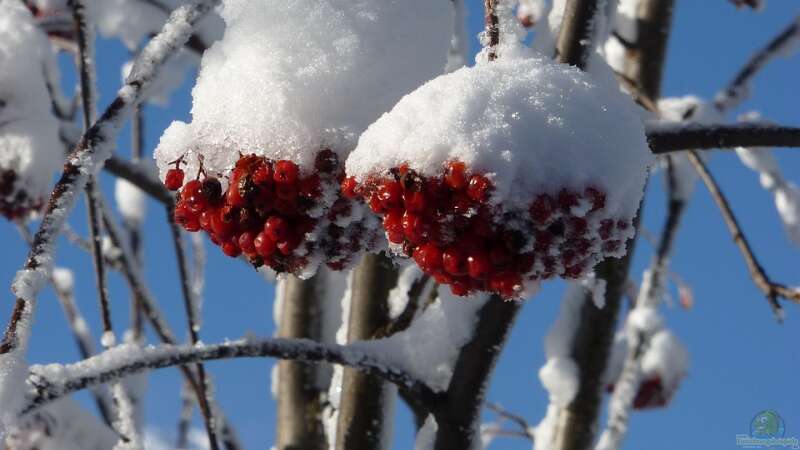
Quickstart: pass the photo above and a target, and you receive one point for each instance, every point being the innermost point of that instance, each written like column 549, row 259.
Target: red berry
column 211, row 190
column 231, row 249
column 326, row 161
column 428, row 257
column 349, row 187
column 186, row 218
column 191, row 189
column 264, row 245
column 222, row 224
column 567, row 199
column 288, row 246
column 597, row 198
column 174, row 179
column 286, row 172
column 390, row 194
column 415, row 228
column 479, row 188
column 375, row 204
column 414, row 201
column 542, row 208
column 309, row 187
column 459, row 288
column 455, row 175
column 478, row 265
column 454, row 261
column 263, row 175
column 276, row 228
column 246, row 242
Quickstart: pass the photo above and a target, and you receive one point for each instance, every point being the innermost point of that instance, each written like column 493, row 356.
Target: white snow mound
column 531, row 124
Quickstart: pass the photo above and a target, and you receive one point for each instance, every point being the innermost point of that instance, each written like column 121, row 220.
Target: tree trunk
column 365, row 399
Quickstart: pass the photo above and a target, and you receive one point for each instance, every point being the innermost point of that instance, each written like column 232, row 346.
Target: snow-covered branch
column 55, row 381
column 666, row 138
column 738, row 89
column 577, row 28
column 93, row 149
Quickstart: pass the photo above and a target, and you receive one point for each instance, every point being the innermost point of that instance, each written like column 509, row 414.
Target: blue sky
column 742, row 362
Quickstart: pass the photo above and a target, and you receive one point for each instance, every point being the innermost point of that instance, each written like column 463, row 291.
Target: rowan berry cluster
column 15, row 203
column 455, row 233
column 272, row 213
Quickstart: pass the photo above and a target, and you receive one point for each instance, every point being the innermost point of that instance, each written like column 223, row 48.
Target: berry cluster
column 15, row 203
column 455, row 233
column 274, row 214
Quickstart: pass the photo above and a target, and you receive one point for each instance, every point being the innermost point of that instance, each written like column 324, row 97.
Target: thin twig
column 190, row 306
column 523, row 424
column 736, row 92
column 403, row 321
column 771, row 290
column 492, row 27
column 109, row 367
column 185, row 419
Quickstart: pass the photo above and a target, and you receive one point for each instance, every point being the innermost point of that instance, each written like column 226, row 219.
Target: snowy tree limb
column 299, row 396
column 666, row 138
column 771, row 289
column 93, row 149
column 52, row 382
column 458, row 414
column 575, row 38
column 190, row 303
column 736, row 92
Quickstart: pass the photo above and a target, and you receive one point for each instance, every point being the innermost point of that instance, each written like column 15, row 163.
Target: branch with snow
column 54, row 381
column 738, row 89
column 577, row 31
column 771, row 289
column 93, row 149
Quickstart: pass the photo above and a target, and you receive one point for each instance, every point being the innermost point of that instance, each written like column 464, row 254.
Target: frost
column 108, row 339
column 530, row 124
column 426, row 436
column 398, row 296
column 560, row 378
column 302, row 72
column 30, row 151
column 131, row 202
column 666, row 357
column 61, row 425
column 63, row 279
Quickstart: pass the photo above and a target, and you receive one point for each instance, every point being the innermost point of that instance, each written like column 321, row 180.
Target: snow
column 302, row 72
column 666, row 357
column 63, row 279
column 154, row 439
column 29, row 144
column 597, row 288
column 426, row 436
column 61, row 425
column 108, row 339
column 429, row 348
column 398, row 296
column 785, row 193
column 531, row 11
column 170, row 78
column 531, row 125
column 131, row 202
column 560, row 377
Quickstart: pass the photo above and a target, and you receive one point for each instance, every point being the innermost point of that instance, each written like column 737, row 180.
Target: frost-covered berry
column 30, row 151
column 514, row 171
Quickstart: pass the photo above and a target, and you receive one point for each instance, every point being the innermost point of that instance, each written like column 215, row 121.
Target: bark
column 363, row 405
column 299, row 395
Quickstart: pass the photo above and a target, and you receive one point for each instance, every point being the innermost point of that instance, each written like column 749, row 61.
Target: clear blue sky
column 741, row 361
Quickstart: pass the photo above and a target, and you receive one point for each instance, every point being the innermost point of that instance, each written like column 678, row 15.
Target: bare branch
column 459, row 414
column 771, row 290
column 492, row 27
column 92, row 151
column 575, row 38
column 666, row 138
column 109, row 366
column 737, row 91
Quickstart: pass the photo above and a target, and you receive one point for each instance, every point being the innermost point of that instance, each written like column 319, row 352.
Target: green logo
column 767, row 430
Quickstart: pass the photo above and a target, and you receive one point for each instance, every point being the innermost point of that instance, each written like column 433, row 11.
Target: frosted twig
column 577, row 28
column 190, row 303
column 403, row 321
column 771, row 290
column 125, row 360
column 91, row 152
column 667, row 138
column 185, row 419
column 139, row 174
column 195, row 42
column 736, row 92
column 523, row 424
column 492, row 27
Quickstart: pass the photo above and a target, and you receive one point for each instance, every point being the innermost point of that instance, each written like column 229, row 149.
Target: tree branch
column 190, row 303
column 666, row 138
column 770, row 289
column 52, row 382
column 736, row 92
column 458, row 414
column 575, row 38
column 93, row 149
